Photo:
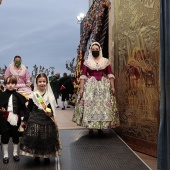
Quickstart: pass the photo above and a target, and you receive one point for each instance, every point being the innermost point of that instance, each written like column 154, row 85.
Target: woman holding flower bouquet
column 41, row 137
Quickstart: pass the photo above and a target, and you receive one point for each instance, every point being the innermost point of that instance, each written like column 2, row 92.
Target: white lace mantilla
column 102, row 64
column 15, row 72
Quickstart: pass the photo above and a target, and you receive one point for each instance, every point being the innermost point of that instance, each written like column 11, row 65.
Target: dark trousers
column 64, row 96
column 12, row 132
column 56, row 95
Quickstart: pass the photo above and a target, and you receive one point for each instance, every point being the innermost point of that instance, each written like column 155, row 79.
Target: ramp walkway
column 81, row 152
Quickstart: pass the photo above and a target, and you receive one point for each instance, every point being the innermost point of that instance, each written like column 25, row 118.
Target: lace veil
column 89, row 62
column 14, row 72
column 48, row 96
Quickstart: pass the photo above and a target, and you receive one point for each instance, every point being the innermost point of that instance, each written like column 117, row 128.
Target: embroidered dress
column 97, row 108
column 41, row 137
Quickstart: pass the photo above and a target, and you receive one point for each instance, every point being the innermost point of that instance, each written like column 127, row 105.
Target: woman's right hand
column 113, row 90
column 81, row 93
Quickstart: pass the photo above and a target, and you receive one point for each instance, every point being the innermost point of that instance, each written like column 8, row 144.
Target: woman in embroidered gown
column 16, row 68
column 96, row 105
column 41, row 136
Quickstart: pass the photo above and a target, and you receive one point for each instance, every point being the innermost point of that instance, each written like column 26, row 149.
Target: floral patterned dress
column 97, row 108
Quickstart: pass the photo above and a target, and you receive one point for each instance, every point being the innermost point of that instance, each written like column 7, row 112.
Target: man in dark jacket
column 54, row 82
column 68, row 88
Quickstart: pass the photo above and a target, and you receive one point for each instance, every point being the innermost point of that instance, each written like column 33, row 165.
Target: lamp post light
column 80, row 18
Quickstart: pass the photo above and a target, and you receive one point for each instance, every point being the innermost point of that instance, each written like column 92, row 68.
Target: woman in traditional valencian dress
column 96, row 104
column 41, row 137
column 16, row 68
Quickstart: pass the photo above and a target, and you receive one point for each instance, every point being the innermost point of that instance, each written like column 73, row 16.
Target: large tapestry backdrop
column 137, row 71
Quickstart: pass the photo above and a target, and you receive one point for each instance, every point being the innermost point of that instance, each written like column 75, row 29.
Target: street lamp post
column 80, row 18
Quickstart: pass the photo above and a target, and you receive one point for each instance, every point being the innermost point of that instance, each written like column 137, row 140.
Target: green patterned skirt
column 97, row 108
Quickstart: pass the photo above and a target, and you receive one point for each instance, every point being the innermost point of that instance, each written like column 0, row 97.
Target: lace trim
column 14, row 72
column 111, row 76
column 55, row 154
column 90, row 63
column 83, row 77
column 45, row 135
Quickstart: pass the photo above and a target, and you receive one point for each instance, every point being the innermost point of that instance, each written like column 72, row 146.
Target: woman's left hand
column 113, row 90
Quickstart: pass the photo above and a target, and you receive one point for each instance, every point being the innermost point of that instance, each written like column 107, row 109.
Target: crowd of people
column 62, row 87
column 33, row 108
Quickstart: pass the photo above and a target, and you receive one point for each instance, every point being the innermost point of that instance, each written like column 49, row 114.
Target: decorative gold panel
column 137, row 51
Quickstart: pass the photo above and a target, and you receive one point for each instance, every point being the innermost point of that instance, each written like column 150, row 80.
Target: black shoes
column 47, row 160
column 63, row 108
column 37, row 160
column 6, row 160
column 16, row 158
column 91, row 132
column 100, row 132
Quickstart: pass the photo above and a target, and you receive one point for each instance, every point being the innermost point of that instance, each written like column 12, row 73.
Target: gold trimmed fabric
column 97, row 109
